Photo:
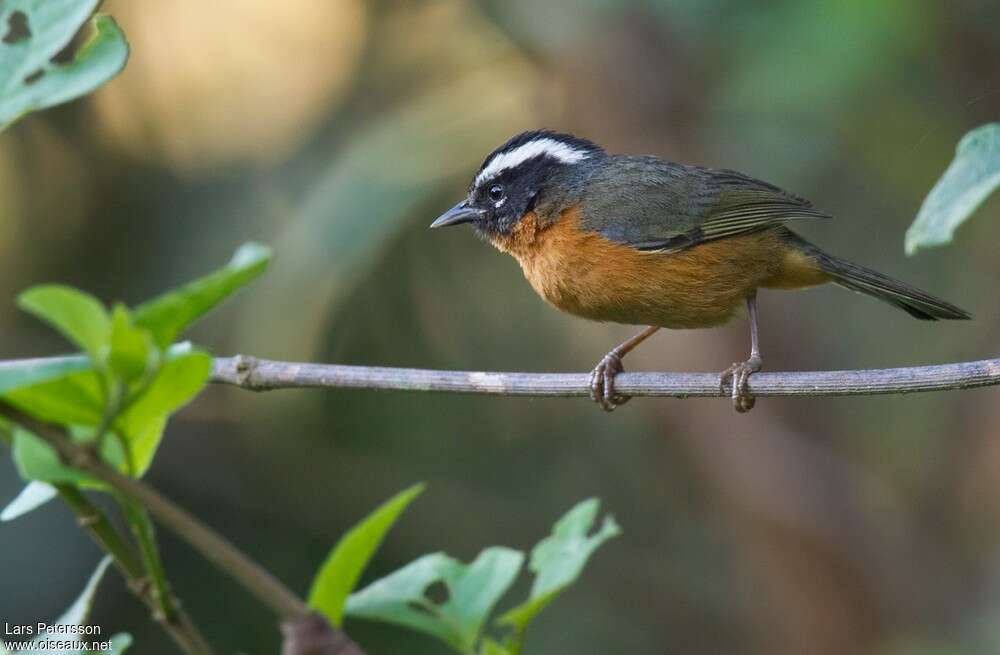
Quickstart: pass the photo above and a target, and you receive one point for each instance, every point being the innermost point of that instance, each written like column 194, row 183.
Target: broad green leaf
column 972, row 176
column 80, row 317
column 25, row 372
column 490, row 647
column 74, row 399
column 34, row 495
column 168, row 315
column 401, row 597
column 29, row 79
column 37, row 461
column 178, row 381
column 558, row 560
column 144, row 445
column 132, row 351
column 348, row 559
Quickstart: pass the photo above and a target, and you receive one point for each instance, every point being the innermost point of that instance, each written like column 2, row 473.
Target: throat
column 522, row 240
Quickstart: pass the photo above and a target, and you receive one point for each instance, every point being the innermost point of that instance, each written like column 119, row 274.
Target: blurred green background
column 337, row 130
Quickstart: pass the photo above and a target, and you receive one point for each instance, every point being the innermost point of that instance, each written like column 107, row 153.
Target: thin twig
column 258, row 581
column 165, row 605
column 305, row 632
column 180, row 627
column 263, row 375
column 100, row 528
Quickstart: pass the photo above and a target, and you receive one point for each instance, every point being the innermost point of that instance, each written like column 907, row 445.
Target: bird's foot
column 602, row 382
column 735, row 380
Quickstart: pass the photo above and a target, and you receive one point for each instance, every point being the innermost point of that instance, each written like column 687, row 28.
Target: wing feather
column 670, row 207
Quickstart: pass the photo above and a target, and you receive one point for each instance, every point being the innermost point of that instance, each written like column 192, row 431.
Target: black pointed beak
column 460, row 213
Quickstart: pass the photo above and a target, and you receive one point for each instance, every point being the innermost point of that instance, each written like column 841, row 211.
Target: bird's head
column 515, row 176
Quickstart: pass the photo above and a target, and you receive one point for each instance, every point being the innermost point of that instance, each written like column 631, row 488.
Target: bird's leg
column 739, row 373
column 602, row 379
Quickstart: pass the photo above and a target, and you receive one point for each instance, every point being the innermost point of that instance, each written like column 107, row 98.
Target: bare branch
column 263, row 375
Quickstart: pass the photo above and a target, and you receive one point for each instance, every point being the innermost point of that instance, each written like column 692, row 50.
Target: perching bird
column 644, row 241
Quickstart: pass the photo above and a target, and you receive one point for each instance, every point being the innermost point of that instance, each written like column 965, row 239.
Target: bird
column 640, row 240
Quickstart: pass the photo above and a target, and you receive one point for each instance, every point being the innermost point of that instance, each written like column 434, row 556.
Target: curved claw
column 602, row 382
column 737, row 378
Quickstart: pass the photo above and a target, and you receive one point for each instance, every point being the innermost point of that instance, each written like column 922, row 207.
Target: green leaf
column 401, row 597
column 74, row 399
column 558, row 560
column 29, row 79
column 178, row 381
column 37, row 461
column 26, row 372
column 34, row 495
column 80, row 317
column 972, row 176
column 348, row 559
column 490, row 647
column 168, row 315
column 132, row 350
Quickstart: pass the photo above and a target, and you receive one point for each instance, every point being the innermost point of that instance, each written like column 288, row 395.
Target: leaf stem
column 145, row 537
column 254, row 578
column 180, row 627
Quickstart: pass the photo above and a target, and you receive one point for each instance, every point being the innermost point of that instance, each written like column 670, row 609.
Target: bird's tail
column 911, row 300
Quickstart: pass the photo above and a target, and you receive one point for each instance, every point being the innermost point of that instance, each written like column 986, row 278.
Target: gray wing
column 654, row 205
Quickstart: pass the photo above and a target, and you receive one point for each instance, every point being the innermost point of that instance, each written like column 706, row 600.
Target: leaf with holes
column 342, row 569
column 472, row 591
column 972, row 176
column 34, row 33
column 558, row 560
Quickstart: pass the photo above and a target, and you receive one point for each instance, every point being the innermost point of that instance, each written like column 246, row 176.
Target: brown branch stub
column 262, row 374
column 313, row 635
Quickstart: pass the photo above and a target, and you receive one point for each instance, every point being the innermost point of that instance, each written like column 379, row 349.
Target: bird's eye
column 496, row 192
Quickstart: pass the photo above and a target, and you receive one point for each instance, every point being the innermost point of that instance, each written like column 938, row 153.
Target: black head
column 512, row 177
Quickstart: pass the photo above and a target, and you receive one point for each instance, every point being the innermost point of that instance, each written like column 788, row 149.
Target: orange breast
column 583, row 273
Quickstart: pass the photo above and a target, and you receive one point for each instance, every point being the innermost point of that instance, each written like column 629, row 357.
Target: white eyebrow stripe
column 545, row 146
